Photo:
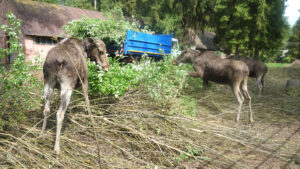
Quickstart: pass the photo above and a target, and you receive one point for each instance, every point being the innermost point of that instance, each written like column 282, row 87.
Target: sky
column 292, row 11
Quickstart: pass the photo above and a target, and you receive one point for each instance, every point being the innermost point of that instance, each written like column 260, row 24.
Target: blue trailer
column 137, row 44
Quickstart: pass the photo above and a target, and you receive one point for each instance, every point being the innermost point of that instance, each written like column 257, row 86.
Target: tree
column 277, row 28
column 230, row 19
column 268, row 26
column 167, row 16
column 250, row 26
column 294, row 42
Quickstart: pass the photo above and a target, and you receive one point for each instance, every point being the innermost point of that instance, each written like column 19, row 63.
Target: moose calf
column 65, row 68
column 210, row 67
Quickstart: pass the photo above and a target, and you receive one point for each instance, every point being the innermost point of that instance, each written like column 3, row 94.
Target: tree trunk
column 256, row 54
column 95, row 4
column 237, row 52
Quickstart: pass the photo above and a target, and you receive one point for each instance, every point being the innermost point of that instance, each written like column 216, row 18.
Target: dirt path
column 272, row 141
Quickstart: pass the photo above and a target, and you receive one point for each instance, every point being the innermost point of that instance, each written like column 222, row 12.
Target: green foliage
column 277, row 65
column 17, row 82
column 113, row 28
column 294, row 42
column 229, row 20
column 168, row 16
column 13, row 31
column 268, row 28
column 160, row 79
column 115, row 82
column 252, row 27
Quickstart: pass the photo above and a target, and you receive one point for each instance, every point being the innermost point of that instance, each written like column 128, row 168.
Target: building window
column 44, row 40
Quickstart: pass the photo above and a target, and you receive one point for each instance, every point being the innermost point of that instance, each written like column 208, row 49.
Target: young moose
column 257, row 69
column 210, row 67
column 65, row 68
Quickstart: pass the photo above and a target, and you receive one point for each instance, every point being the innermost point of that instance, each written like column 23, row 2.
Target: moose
column 65, row 68
column 257, row 69
column 210, row 67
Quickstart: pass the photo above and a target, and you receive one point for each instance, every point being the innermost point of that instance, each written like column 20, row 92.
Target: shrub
column 112, row 29
column 17, row 82
column 114, row 82
column 161, row 79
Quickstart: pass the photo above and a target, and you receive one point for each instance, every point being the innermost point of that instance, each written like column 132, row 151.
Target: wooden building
column 41, row 23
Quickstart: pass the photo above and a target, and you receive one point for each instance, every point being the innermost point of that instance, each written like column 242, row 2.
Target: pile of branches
column 133, row 132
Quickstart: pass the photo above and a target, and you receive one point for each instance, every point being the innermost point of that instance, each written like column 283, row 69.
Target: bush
column 161, row 79
column 17, row 82
column 112, row 29
column 114, row 82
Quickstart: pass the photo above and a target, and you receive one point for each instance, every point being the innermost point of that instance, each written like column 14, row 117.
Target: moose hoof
column 42, row 134
column 57, row 151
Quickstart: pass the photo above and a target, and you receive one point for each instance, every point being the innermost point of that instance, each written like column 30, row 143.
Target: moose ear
column 90, row 40
column 87, row 43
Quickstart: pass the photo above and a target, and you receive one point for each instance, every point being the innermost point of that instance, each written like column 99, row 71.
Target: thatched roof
column 44, row 19
column 201, row 40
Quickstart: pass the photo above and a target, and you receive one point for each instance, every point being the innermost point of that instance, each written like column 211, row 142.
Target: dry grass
column 136, row 132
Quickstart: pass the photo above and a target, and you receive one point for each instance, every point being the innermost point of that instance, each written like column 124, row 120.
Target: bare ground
column 272, row 141
column 136, row 132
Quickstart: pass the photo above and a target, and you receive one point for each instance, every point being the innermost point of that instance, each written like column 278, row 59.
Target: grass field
column 276, row 65
column 195, row 129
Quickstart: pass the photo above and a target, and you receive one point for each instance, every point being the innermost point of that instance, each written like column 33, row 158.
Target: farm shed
column 41, row 23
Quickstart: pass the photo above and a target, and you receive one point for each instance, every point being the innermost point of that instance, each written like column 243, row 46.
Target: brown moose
column 65, row 68
column 210, row 67
column 257, row 69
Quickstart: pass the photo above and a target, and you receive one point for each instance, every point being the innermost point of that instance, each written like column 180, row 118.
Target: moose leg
column 65, row 95
column 190, row 74
column 48, row 90
column 182, row 81
column 200, row 73
column 260, row 84
column 247, row 96
column 205, row 84
column 85, row 93
column 237, row 93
